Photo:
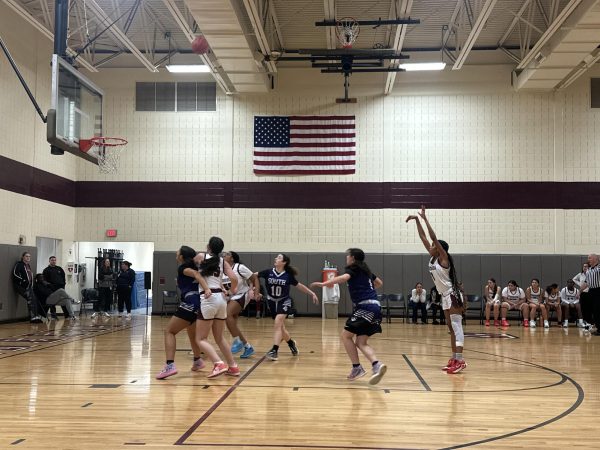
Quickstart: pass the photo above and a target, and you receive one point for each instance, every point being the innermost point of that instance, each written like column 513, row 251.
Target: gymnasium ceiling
column 549, row 42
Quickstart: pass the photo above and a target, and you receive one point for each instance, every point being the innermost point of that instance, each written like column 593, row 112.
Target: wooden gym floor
column 91, row 385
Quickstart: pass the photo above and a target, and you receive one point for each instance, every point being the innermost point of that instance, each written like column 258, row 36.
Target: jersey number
column 275, row 291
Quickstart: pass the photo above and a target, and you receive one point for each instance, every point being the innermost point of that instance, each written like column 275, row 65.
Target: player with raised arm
column 443, row 272
column 365, row 320
column 278, row 281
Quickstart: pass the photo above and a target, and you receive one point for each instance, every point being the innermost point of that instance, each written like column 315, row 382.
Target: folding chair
column 88, row 297
column 396, row 302
column 170, row 299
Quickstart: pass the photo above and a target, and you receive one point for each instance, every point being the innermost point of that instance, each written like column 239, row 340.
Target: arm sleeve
column 264, row 273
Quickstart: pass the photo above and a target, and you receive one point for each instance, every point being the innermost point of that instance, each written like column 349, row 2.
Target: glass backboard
column 75, row 110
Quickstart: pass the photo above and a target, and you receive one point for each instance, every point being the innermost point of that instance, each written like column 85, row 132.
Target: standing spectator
column 569, row 298
column 125, row 283
column 592, row 281
column 584, row 296
column 106, row 279
column 56, row 279
column 492, row 294
column 436, row 305
column 418, row 297
column 23, row 282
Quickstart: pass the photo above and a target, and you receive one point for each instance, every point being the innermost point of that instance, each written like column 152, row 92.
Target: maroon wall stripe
column 23, row 179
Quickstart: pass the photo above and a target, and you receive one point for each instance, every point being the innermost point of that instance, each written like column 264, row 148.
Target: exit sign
column 111, row 233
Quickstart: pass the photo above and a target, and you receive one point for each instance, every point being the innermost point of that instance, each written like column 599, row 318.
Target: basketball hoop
column 347, row 30
column 106, row 149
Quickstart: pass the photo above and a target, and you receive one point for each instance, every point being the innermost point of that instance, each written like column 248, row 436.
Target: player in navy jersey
column 365, row 320
column 443, row 272
column 278, row 281
column 188, row 280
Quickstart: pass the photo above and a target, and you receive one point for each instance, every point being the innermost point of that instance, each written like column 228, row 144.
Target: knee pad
column 456, row 320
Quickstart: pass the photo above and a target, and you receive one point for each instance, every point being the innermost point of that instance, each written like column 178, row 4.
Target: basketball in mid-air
column 200, row 45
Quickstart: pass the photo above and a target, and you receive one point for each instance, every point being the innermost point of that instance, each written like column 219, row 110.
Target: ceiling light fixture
column 409, row 67
column 192, row 68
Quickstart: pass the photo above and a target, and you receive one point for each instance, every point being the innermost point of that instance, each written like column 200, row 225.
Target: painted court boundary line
column 416, row 372
column 206, row 415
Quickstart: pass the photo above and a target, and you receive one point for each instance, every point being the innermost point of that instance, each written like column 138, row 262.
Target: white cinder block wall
column 466, row 126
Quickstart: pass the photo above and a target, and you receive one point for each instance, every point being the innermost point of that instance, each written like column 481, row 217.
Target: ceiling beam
column 276, row 23
column 474, row 34
column 329, row 8
column 16, row 7
column 119, row 35
column 402, row 11
column 552, row 29
column 190, row 35
column 259, row 33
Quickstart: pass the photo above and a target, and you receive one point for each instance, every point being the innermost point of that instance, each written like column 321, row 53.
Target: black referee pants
column 594, row 299
column 586, row 307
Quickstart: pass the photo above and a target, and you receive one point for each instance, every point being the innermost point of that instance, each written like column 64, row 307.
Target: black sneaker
column 272, row 355
column 293, row 347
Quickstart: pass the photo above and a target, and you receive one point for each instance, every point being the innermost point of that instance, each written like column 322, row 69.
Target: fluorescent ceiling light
column 423, row 66
column 180, row 68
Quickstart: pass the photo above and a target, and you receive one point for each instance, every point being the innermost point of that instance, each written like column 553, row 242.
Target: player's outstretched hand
column 316, row 284
column 422, row 212
column 315, row 299
column 409, row 218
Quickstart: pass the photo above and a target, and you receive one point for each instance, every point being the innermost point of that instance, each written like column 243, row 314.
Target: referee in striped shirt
column 592, row 280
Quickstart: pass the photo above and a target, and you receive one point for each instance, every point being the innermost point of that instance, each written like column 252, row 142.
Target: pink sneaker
column 457, row 367
column 496, row 323
column 167, row 371
column 233, row 371
column 198, row 365
column 526, row 323
column 218, row 369
column 505, row 323
column 487, row 323
column 449, row 364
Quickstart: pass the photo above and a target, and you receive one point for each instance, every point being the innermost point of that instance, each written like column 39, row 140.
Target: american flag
column 304, row 145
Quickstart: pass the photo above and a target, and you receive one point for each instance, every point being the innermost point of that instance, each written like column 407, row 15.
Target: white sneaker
column 580, row 324
column 128, row 315
column 546, row 324
column 532, row 324
column 106, row 314
column 94, row 315
column 566, row 324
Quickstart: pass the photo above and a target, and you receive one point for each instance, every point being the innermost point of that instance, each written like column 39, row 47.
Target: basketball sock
column 247, row 345
column 276, row 348
column 459, row 356
column 290, row 342
column 374, row 363
column 196, row 358
column 355, row 365
column 453, row 355
column 170, row 361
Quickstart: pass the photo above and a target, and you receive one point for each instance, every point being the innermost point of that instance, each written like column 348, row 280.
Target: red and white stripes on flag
column 304, row 145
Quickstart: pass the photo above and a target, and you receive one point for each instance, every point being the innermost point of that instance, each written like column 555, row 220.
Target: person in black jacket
column 125, row 282
column 23, row 282
column 56, row 279
column 106, row 279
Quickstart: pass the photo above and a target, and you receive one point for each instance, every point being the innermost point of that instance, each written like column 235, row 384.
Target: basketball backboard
column 75, row 110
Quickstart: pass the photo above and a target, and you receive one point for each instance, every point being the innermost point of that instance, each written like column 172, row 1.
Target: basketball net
column 106, row 149
column 347, row 30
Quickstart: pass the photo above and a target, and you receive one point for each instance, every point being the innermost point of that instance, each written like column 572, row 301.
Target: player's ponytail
column 288, row 268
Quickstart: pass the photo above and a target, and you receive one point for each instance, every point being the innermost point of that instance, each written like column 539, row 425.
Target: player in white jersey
column 213, row 308
column 535, row 302
column 569, row 299
column 441, row 267
column 247, row 285
column 552, row 301
column 513, row 298
column 491, row 292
